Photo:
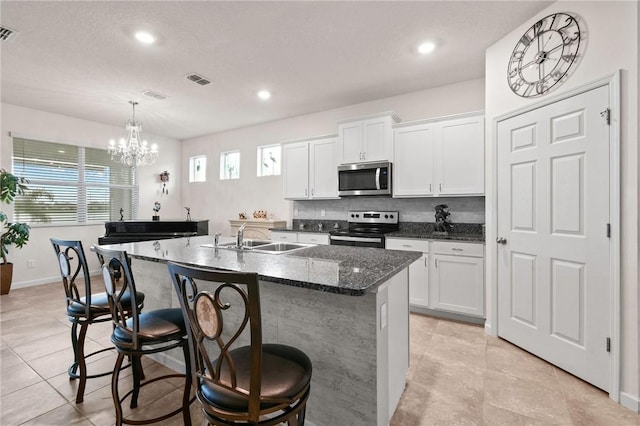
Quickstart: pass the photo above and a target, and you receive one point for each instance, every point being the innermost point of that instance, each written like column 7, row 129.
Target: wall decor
column 543, row 55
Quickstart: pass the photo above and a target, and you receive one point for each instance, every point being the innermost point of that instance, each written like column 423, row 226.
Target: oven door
column 364, row 179
column 347, row 240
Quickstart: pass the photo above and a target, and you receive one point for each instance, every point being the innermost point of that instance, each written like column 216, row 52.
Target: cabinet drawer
column 461, row 249
column 407, row 244
column 311, row 238
column 284, row 236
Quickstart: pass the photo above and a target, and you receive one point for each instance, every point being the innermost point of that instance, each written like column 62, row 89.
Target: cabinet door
column 296, row 170
column 460, row 156
column 413, row 161
column 350, row 142
column 419, row 282
column 457, row 284
column 377, row 139
column 323, row 169
column 291, row 237
column 313, row 238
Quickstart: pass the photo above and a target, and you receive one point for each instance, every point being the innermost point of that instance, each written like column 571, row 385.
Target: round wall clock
column 543, row 55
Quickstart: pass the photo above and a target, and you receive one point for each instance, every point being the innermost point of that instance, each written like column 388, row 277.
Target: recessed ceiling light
column 145, row 37
column 264, row 94
column 426, row 47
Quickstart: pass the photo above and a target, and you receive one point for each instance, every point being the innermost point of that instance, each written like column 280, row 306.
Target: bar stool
column 141, row 334
column 84, row 307
column 239, row 380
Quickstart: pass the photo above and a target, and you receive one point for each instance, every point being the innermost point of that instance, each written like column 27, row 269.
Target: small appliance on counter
column 365, row 229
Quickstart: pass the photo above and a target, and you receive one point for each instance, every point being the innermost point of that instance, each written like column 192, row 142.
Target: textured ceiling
column 79, row 58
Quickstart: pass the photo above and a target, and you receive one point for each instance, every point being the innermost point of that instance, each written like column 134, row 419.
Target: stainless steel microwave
column 364, row 179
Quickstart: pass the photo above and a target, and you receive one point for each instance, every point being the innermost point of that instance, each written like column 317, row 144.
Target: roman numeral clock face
column 543, row 55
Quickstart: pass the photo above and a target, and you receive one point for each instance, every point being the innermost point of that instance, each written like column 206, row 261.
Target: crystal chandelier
column 133, row 151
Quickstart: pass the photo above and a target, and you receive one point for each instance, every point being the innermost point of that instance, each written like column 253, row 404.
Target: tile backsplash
column 462, row 209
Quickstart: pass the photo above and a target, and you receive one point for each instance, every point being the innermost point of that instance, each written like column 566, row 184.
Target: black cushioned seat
column 285, row 373
column 100, row 304
column 245, row 384
column 154, row 325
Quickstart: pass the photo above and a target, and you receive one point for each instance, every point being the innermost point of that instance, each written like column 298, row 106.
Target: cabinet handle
column 457, row 249
column 306, row 192
column 407, row 245
column 436, row 263
column 426, row 264
column 440, row 187
column 312, row 192
column 429, row 187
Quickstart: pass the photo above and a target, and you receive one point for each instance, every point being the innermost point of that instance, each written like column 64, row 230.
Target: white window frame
column 273, row 166
column 197, row 175
column 225, row 160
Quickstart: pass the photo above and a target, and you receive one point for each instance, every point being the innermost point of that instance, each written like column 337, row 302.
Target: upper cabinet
column 310, row 169
column 367, row 138
column 439, row 157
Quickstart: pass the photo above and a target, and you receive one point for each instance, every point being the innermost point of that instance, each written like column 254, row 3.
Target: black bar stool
column 141, row 334
column 84, row 307
column 239, row 380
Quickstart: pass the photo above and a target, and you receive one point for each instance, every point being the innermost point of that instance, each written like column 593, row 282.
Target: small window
column 230, row 165
column 198, row 168
column 269, row 160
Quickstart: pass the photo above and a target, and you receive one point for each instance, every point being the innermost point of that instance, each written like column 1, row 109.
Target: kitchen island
column 347, row 308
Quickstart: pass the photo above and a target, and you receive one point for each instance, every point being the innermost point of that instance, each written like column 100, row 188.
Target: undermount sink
column 246, row 244
column 262, row 246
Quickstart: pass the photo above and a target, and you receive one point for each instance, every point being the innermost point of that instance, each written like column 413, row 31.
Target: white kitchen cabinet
column 366, row 138
column 418, row 270
column 310, row 169
column 413, row 165
column 313, row 238
column 439, row 157
column 457, row 278
column 459, row 155
column 301, row 237
column 291, row 237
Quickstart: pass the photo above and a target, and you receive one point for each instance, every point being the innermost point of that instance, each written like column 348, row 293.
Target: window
column 230, row 165
column 71, row 184
column 198, row 168
column 269, row 160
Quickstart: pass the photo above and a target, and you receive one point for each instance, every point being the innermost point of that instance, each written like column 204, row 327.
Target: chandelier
column 133, row 151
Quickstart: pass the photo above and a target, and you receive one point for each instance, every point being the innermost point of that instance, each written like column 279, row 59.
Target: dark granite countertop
column 452, row 236
column 351, row 271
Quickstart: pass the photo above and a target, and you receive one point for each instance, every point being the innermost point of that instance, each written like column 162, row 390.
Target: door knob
column 501, row 240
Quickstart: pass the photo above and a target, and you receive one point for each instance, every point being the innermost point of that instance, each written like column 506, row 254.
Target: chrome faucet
column 240, row 236
column 216, row 236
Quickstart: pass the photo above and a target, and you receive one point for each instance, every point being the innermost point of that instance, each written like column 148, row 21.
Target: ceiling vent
column 7, row 33
column 154, row 95
column 198, row 79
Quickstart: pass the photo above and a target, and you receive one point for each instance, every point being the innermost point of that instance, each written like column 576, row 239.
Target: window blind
column 71, row 184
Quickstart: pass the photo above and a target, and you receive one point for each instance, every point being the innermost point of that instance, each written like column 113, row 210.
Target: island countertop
column 344, row 270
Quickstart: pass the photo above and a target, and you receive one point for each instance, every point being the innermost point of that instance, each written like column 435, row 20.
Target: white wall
column 611, row 44
column 220, row 201
column 58, row 128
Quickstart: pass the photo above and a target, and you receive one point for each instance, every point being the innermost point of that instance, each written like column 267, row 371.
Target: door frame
column 612, row 81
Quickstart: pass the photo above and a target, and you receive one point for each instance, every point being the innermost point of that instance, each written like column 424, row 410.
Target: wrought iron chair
column 238, row 378
column 141, row 334
column 84, row 307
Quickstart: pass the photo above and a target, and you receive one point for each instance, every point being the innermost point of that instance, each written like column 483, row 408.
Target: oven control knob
column 352, row 215
column 386, row 216
column 357, row 216
column 391, row 216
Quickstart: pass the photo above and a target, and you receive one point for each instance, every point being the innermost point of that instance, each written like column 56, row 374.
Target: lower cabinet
column 448, row 277
column 457, row 280
column 301, row 237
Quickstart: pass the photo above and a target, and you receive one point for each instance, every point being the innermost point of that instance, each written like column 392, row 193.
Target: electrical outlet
column 295, row 212
column 31, row 263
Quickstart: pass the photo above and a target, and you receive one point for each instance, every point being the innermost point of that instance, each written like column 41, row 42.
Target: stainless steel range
column 366, row 229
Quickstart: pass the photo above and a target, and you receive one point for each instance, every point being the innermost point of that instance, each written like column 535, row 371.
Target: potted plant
column 12, row 233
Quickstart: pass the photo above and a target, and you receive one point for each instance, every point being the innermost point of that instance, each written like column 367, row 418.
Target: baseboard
column 447, row 315
column 631, row 402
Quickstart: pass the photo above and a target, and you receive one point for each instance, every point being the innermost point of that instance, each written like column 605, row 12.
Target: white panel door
column 323, row 169
column 413, row 161
column 553, row 211
column 296, row 170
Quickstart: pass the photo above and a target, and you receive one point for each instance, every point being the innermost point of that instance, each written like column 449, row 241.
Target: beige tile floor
column 458, row 376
